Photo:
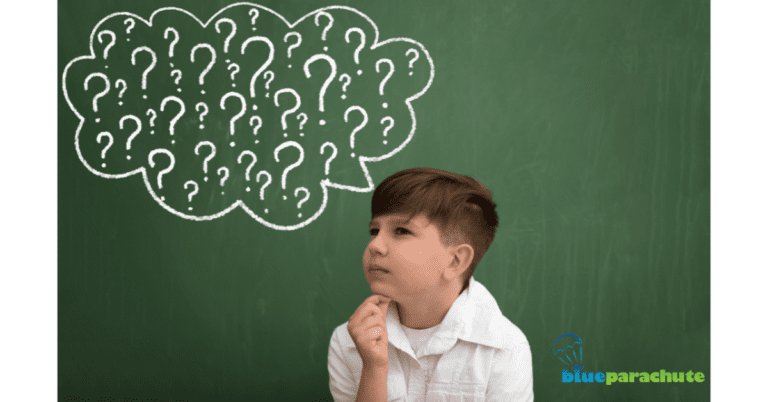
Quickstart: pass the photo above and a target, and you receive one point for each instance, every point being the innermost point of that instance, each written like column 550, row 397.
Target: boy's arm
column 373, row 383
column 511, row 376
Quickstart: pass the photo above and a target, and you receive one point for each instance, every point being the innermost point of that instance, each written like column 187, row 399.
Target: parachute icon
column 567, row 348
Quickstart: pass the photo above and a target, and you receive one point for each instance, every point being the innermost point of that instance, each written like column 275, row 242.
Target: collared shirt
column 474, row 354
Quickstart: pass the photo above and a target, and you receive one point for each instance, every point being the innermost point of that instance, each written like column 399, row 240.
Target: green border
column 28, row 166
column 739, row 198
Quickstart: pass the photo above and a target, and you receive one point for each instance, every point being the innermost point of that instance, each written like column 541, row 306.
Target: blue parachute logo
column 567, row 348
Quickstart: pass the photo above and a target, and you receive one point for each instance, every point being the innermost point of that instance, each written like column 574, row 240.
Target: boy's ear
column 461, row 258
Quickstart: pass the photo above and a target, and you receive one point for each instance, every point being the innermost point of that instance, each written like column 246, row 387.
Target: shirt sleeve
column 342, row 383
column 511, row 377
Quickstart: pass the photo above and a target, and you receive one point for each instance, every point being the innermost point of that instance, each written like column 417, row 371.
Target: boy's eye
column 397, row 230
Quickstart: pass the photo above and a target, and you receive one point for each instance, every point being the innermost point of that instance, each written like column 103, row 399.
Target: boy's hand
column 368, row 329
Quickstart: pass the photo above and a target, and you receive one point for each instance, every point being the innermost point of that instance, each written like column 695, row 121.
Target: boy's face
column 412, row 254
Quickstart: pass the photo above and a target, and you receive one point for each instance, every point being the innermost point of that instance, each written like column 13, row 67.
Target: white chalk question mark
column 210, row 64
column 293, row 46
column 255, row 129
column 271, row 77
column 178, row 115
column 120, row 94
column 303, row 200
column 327, row 80
column 111, row 43
column 269, row 180
column 293, row 165
column 148, row 69
column 358, row 128
column 177, row 78
column 391, row 124
column 207, row 158
column 327, row 27
column 333, row 155
column 359, row 47
column 205, row 112
column 100, row 94
column 254, row 13
column 109, row 144
column 131, row 23
column 231, row 33
column 263, row 66
column 289, row 111
column 386, row 78
column 248, row 169
column 135, row 132
column 223, row 179
column 237, row 116
column 304, row 121
column 197, row 188
column 346, row 84
column 410, row 64
column 152, row 113
column 232, row 74
column 164, row 171
column 173, row 42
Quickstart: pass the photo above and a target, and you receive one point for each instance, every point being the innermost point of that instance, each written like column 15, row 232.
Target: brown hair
column 460, row 206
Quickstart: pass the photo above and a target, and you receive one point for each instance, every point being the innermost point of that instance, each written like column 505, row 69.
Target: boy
column 430, row 331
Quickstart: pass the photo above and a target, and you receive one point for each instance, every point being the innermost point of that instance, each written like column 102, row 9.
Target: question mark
column 223, row 179
column 271, row 77
column 386, row 78
column 173, row 42
column 178, row 115
column 197, row 188
column 152, row 113
column 247, row 170
column 109, row 144
column 209, row 157
column 293, row 46
column 269, row 180
column 232, row 75
column 301, row 126
column 205, row 112
column 210, row 64
column 327, row 81
column 131, row 25
column 292, row 166
column 327, row 27
column 148, row 69
column 120, row 94
column 255, row 14
column 135, row 132
column 111, row 43
column 164, row 171
column 237, row 116
column 333, row 155
column 263, row 66
column 289, row 111
column 231, row 33
column 359, row 47
column 391, row 124
column 100, row 94
column 303, row 200
column 344, row 87
column 416, row 53
column 177, row 78
column 358, row 128
column 255, row 129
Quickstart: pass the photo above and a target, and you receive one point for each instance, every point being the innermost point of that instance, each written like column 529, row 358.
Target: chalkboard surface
column 216, row 166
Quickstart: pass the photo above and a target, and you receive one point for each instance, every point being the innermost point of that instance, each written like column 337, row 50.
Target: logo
column 568, row 348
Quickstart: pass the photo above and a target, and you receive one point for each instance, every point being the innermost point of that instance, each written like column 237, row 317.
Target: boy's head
column 456, row 209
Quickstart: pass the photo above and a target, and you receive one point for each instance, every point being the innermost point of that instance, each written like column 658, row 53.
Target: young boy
column 430, row 331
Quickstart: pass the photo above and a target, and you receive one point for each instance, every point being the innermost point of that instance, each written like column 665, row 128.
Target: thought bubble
column 245, row 109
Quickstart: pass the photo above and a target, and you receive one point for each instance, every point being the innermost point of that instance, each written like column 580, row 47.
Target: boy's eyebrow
column 398, row 221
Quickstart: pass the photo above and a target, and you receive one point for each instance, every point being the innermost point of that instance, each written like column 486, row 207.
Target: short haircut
column 460, row 206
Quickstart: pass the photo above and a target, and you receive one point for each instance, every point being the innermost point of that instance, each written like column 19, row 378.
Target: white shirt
column 474, row 354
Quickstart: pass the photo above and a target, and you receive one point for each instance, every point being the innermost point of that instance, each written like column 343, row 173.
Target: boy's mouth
column 377, row 268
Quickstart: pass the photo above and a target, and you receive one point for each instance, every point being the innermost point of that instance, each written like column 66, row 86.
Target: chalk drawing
column 334, row 46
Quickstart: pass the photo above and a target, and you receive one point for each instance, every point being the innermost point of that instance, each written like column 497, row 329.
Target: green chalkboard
column 216, row 166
